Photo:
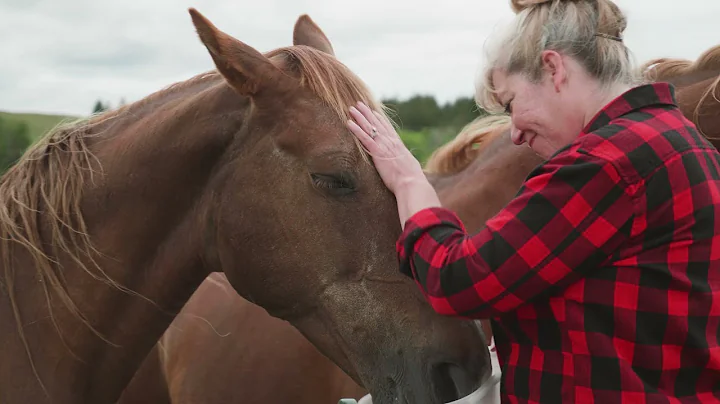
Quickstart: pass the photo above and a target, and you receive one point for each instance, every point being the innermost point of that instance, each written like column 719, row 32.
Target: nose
column 444, row 379
column 451, row 382
column 517, row 136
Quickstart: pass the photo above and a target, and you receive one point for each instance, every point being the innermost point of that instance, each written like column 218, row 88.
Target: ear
column 554, row 65
column 244, row 68
column 306, row 32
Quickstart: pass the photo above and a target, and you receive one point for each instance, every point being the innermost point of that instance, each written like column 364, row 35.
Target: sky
column 60, row 56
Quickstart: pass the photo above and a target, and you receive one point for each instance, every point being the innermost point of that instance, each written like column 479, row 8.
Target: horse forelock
column 458, row 153
column 331, row 81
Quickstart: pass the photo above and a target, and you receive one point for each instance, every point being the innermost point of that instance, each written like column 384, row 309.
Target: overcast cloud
column 59, row 56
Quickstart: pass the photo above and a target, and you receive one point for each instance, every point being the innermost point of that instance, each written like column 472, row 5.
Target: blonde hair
column 590, row 31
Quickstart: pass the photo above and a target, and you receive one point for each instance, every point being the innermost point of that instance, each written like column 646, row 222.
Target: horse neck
column 685, row 80
column 146, row 215
column 486, row 185
column 699, row 103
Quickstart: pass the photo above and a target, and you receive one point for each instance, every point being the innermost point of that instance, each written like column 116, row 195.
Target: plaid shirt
column 602, row 276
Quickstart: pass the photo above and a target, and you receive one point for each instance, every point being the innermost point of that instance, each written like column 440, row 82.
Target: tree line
column 426, row 125
column 14, row 139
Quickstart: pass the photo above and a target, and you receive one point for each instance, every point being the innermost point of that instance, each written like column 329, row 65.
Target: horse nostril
column 451, row 382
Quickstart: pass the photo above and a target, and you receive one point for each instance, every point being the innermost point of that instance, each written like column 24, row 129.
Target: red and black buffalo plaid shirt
column 602, row 276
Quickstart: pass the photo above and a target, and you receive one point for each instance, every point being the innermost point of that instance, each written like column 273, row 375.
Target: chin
column 540, row 152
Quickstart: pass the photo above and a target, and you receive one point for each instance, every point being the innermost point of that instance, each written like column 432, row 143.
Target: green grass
column 38, row 124
column 422, row 144
column 417, row 142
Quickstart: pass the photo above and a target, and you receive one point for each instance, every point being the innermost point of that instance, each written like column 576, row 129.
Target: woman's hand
column 397, row 167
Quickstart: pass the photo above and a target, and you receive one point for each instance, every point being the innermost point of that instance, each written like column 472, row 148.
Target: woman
column 601, row 277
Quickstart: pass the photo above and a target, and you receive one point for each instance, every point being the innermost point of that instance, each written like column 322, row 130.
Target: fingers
column 367, row 113
column 385, row 123
column 365, row 139
column 368, row 118
column 378, row 120
column 361, row 120
column 372, row 118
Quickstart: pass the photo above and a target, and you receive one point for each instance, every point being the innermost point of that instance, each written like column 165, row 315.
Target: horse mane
column 666, row 68
column 50, row 177
column 328, row 78
column 457, row 154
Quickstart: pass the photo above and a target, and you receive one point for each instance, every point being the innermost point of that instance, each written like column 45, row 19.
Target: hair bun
column 520, row 5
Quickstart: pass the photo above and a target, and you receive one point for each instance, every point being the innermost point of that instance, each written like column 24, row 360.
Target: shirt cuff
column 422, row 222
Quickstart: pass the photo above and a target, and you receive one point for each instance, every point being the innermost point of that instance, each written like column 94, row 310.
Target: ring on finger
column 373, row 132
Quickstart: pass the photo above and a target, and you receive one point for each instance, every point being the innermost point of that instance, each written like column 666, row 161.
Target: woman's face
column 546, row 115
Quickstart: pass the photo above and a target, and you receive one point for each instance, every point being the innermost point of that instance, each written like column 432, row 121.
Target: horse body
column 223, row 349
column 108, row 228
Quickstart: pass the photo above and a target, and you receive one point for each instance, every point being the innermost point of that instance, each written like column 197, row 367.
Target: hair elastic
column 606, row 36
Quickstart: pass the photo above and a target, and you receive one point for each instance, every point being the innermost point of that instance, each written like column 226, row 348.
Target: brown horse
column 698, row 88
column 108, row 226
column 223, row 349
column 218, row 333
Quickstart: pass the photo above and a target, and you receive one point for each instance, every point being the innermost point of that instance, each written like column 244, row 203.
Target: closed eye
column 336, row 184
column 508, row 107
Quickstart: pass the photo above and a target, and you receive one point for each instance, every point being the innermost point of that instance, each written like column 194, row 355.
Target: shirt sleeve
column 570, row 215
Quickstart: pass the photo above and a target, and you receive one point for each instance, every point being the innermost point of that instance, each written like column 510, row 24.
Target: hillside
column 38, row 124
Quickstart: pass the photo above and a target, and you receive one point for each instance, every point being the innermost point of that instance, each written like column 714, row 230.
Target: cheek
column 524, row 118
column 519, row 110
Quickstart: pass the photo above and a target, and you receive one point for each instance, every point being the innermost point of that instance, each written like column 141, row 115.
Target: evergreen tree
column 14, row 139
column 100, row 107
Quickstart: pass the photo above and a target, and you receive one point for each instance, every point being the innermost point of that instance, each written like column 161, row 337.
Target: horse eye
column 340, row 184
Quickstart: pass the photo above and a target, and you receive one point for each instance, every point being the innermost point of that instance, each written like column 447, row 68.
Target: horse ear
column 306, row 32
column 243, row 67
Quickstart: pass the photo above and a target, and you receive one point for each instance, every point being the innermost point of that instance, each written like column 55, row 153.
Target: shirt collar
column 637, row 97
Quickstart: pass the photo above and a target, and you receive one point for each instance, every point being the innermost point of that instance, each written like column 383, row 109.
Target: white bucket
column 488, row 393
